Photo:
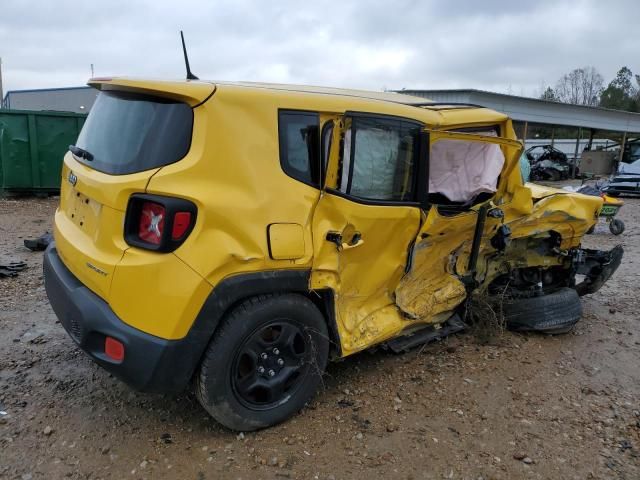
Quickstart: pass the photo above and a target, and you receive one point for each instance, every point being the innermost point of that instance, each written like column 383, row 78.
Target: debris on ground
column 39, row 244
column 11, row 269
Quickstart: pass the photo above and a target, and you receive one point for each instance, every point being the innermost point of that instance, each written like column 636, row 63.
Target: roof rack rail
column 446, row 104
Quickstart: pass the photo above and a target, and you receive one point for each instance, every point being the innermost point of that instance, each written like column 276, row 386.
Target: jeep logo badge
column 72, row 178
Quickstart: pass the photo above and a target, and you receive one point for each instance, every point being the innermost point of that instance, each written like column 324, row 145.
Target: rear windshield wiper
column 81, row 152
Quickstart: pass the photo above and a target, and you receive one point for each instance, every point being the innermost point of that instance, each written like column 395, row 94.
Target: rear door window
column 299, row 145
column 128, row 132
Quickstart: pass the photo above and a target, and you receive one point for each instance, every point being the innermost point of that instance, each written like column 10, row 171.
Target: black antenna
column 190, row 76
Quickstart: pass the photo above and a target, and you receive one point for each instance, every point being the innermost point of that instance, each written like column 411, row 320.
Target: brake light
column 151, row 224
column 158, row 223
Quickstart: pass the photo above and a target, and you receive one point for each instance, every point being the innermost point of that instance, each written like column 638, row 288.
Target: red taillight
column 114, row 349
column 181, row 223
column 151, row 223
column 158, row 223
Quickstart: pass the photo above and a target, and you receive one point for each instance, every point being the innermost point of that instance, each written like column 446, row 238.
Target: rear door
column 366, row 221
column 469, row 175
column 125, row 140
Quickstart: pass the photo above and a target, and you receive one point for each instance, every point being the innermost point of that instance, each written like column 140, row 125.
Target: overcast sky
column 504, row 46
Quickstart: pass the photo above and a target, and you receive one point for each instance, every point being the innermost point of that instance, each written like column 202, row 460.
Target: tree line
column 585, row 86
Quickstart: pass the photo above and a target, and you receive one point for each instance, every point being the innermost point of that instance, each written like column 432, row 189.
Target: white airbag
column 461, row 169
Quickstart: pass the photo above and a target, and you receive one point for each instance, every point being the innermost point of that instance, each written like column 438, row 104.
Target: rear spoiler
column 193, row 93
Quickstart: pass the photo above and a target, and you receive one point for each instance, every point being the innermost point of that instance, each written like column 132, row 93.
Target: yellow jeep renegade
column 238, row 235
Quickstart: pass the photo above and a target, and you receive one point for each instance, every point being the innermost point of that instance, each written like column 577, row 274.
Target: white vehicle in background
column 626, row 181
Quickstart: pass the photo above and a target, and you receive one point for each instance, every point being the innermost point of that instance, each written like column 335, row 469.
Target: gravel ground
column 525, row 406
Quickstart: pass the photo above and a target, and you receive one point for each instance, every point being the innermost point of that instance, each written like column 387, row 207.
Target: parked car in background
column 626, row 181
column 548, row 163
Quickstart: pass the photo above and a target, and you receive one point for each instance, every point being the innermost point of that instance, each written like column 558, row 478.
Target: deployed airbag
column 461, row 169
column 375, row 163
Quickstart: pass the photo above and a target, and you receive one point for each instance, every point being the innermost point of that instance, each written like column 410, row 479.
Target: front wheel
column 553, row 313
column 264, row 362
column 616, row 226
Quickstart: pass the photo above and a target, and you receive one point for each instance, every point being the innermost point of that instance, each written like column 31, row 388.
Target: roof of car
column 347, row 92
column 197, row 91
column 386, row 96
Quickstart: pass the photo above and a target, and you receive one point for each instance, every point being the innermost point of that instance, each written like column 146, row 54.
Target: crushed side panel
column 363, row 278
column 432, row 286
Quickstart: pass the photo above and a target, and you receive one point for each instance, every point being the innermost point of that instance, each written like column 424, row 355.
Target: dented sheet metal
column 394, row 268
column 433, row 284
column 569, row 214
column 362, row 277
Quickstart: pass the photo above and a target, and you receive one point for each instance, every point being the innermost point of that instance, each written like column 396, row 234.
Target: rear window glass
column 129, row 133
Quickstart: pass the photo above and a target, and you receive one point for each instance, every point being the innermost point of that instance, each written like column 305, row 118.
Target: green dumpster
column 32, row 145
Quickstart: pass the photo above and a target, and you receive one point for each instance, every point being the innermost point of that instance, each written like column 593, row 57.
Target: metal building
column 72, row 99
column 542, row 112
column 532, row 111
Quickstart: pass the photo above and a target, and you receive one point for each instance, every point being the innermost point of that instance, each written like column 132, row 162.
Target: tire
column 554, row 313
column 616, row 226
column 264, row 363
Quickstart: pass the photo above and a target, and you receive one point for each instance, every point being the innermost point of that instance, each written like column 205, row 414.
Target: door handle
column 349, row 246
column 356, row 241
column 337, row 238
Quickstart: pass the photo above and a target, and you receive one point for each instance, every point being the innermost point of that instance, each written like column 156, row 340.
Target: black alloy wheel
column 265, row 361
column 270, row 365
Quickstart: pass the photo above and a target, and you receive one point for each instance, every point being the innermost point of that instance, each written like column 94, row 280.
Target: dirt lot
column 526, row 406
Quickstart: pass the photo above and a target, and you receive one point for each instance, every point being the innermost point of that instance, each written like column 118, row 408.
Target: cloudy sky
column 504, row 46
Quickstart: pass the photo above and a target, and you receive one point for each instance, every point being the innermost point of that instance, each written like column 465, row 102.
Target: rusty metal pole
column 524, row 134
column 575, row 156
column 553, row 135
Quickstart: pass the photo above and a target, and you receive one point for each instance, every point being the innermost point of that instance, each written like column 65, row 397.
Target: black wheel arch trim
column 228, row 293
column 232, row 290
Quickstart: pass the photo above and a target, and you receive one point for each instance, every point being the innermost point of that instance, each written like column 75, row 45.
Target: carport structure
column 532, row 111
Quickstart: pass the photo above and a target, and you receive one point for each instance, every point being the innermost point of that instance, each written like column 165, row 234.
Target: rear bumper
column 150, row 364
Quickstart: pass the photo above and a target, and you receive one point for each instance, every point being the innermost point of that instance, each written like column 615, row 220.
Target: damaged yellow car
column 234, row 237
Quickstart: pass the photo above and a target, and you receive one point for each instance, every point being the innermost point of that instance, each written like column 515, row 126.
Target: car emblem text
column 96, row 269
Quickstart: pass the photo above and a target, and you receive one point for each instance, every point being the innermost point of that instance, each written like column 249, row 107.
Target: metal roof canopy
column 533, row 110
